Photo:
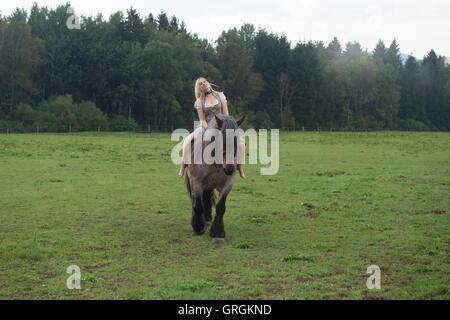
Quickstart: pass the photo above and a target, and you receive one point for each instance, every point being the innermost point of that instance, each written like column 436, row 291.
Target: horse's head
column 228, row 125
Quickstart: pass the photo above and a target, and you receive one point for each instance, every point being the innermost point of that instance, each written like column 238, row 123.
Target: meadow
column 111, row 203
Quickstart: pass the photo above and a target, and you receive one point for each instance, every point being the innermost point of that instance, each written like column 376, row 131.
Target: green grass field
column 111, row 203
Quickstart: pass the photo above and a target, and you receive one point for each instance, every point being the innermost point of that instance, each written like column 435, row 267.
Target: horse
column 203, row 178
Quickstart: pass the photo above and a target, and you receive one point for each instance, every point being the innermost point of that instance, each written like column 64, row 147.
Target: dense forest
column 132, row 72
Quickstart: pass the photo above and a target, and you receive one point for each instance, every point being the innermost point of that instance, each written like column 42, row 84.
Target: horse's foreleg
column 198, row 218
column 217, row 232
column 207, row 205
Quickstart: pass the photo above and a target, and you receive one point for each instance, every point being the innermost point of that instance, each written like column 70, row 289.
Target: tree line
column 131, row 71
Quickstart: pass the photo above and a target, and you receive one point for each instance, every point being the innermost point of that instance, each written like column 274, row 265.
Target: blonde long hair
column 199, row 94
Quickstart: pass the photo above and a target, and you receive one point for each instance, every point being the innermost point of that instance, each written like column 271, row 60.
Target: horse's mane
column 228, row 122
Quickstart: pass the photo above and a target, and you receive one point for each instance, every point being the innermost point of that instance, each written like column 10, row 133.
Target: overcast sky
column 418, row 26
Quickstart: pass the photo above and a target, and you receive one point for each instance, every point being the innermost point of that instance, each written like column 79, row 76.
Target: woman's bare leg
column 181, row 173
column 185, row 151
column 241, row 158
column 241, row 171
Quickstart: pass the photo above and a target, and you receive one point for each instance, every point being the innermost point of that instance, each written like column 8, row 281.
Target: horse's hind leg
column 198, row 218
column 208, row 196
column 217, row 231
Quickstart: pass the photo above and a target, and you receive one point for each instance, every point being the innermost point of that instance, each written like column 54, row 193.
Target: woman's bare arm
column 201, row 117
column 225, row 108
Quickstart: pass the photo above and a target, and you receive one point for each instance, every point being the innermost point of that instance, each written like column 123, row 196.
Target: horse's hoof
column 200, row 232
column 218, row 240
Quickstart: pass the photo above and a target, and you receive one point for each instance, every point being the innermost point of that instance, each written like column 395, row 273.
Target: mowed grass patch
column 111, row 203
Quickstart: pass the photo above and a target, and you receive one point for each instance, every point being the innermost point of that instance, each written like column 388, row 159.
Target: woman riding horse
column 208, row 104
column 204, row 177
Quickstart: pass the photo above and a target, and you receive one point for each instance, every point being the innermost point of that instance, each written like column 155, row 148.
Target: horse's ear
column 219, row 121
column 241, row 119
